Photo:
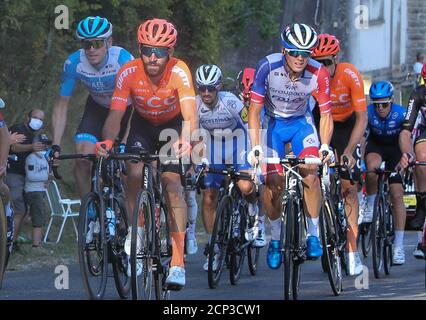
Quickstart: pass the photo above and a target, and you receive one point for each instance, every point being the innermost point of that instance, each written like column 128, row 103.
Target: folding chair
column 61, row 208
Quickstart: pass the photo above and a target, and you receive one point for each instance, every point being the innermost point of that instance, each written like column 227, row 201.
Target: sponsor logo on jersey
column 123, row 75
column 353, row 76
column 183, row 75
column 244, row 114
column 392, row 124
column 231, row 104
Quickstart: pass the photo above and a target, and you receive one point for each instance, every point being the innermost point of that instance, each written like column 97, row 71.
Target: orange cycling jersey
column 157, row 104
column 347, row 92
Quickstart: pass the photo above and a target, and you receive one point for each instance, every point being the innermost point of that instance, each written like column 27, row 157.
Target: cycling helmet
column 157, row 33
column 328, row 45
column 299, row 36
column 245, row 80
column 381, row 89
column 94, row 28
column 208, row 75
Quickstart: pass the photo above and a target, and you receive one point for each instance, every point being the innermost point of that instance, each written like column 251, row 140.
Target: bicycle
column 292, row 238
column 228, row 243
column 382, row 229
column 102, row 228
column 151, row 248
column 333, row 229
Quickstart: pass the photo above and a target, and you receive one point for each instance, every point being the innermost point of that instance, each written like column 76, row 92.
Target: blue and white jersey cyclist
column 95, row 65
column 283, row 85
column 385, row 122
column 223, row 123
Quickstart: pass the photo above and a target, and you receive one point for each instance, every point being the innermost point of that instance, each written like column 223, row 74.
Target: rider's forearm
column 19, row 147
column 405, row 142
column 112, row 125
column 254, row 123
column 59, row 119
column 326, row 128
column 358, row 131
column 190, row 121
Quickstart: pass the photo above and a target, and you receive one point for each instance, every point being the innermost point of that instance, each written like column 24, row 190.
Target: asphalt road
column 404, row 282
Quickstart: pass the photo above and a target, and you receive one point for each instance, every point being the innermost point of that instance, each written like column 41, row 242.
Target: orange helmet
column 157, row 33
column 328, row 45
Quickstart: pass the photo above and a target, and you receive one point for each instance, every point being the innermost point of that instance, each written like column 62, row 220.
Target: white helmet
column 208, row 75
column 299, row 36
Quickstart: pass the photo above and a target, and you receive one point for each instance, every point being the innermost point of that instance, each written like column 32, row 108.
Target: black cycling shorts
column 339, row 141
column 144, row 134
column 390, row 153
column 92, row 122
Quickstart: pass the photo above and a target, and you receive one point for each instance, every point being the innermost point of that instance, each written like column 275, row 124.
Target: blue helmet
column 94, row 28
column 381, row 89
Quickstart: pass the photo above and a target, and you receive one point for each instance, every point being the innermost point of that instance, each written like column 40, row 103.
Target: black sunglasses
column 326, row 62
column 96, row 44
column 381, row 105
column 209, row 88
column 158, row 52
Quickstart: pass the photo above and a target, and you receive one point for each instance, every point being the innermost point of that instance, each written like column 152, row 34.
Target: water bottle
column 111, row 221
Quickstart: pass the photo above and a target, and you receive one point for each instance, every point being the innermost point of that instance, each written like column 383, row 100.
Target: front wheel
column 237, row 252
column 377, row 237
column 92, row 246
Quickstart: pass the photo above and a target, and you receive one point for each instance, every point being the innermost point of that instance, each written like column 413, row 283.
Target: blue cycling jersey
column 99, row 82
column 386, row 130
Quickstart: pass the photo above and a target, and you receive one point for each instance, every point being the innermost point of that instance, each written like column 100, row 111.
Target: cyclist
column 245, row 81
column 222, row 116
column 349, row 110
column 385, row 120
column 163, row 96
column 96, row 66
column 416, row 106
column 4, row 190
column 283, row 84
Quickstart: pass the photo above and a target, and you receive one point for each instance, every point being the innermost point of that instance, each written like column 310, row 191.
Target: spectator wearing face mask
column 36, row 180
column 15, row 177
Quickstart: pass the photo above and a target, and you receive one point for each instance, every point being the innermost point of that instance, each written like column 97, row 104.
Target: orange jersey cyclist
column 349, row 110
column 163, row 95
column 283, row 85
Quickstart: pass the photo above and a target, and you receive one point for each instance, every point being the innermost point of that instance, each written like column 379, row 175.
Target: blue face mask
column 35, row 124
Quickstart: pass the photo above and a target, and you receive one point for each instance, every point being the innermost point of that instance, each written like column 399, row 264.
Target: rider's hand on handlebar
column 102, row 148
column 251, row 158
column 406, row 159
column 351, row 160
column 325, row 153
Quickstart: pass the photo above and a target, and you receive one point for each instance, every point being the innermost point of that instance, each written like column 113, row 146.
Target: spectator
column 36, row 179
column 15, row 177
column 417, row 67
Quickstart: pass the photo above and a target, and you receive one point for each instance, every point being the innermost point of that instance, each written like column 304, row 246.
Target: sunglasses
column 296, row 53
column 326, row 62
column 381, row 105
column 96, row 44
column 158, row 52
column 209, row 88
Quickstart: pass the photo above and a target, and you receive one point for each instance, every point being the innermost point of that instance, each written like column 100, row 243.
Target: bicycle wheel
column 142, row 247
column 119, row 256
column 377, row 237
column 164, row 249
column 365, row 235
column 330, row 242
column 387, row 247
column 219, row 241
column 299, row 254
column 92, row 246
column 290, row 248
column 3, row 241
column 236, row 250
column 252, row 251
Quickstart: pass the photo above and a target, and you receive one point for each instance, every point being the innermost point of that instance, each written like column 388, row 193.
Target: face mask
column 35, row 124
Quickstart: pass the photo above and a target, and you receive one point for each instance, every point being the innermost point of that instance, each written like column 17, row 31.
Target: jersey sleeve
column 237, row 108
column 322, row 92
column 2, row 122
column 414, row 104
column 69, row 78
column 123, row 83
column 182, row 80
column 356, row 83
column 258, row 89
column 124, row 57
